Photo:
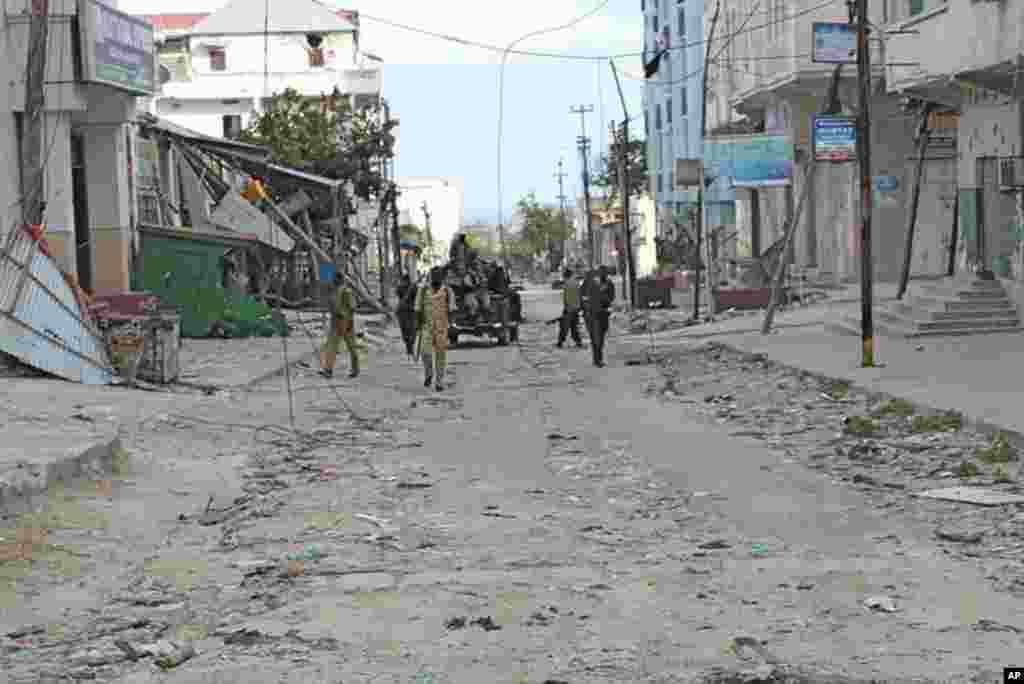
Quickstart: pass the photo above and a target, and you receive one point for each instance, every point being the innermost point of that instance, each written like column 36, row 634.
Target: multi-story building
column 98, row 62
column 969, row 56
column 766, row 74
column 672, row 100
column 220, row 69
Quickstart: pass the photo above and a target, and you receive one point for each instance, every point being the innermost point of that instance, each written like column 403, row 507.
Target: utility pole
column 32, row 191
column 864, row 159
column 584, row 144
column 700, row 188
column 430, row 236
column 624, row 182
column 561, row 200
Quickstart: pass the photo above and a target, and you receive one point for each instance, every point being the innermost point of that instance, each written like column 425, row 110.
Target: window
column 654, row 24
column 682, row 102
column 682, row 23
column 643, row 5
column 668, row 110
column 218, row 59
column 657, row 117
column 660, row 186
column 232, row 124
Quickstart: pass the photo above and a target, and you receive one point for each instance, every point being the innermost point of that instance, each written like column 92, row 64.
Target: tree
column 541, row 226
column 607, row 176
column 327, row 137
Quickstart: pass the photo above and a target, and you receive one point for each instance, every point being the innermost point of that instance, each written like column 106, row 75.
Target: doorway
column 80, row 202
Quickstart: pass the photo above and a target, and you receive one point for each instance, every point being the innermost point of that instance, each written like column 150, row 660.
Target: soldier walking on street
column 598, row 296
column 569, row 323
column 406, row 313
column 432, row 305
column 342, row 327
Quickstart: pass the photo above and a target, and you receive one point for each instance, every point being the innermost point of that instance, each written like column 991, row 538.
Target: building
column 969, row 57
column 92, row 81
column 436, row 203
column 672, row 100
column 767, row 76
column 220, row 69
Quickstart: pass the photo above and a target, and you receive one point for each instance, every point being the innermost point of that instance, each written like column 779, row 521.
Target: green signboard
column 117, row 49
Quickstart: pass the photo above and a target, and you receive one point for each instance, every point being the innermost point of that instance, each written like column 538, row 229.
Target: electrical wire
column 567, row 56
column 501, row 106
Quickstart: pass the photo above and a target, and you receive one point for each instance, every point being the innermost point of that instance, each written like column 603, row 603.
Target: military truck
column 486, row 305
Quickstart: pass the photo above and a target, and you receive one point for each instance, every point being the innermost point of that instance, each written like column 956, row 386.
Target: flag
column 651, row 68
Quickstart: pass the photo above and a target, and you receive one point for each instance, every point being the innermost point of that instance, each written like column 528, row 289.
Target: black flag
column 651, row 68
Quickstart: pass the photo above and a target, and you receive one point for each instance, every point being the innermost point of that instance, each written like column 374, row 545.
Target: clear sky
column 446, row 94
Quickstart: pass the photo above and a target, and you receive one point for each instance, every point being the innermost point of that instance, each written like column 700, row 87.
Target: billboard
column 834, row 43
column 835, row 138
column 117, row 49
column 749, row 160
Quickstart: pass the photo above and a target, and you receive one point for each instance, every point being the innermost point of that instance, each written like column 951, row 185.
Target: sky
column 445, row 94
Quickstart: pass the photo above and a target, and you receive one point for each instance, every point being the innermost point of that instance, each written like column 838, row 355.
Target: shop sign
column 835, row 138
column 834, row 43
column 117, row 49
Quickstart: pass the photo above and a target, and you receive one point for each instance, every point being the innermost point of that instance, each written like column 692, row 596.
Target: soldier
column 406, row 313
column 432, row 307
column 598, row 296
column 342, row 328
column 570, row 320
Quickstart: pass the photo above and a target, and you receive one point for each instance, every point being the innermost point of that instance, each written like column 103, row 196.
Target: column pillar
column 60, row 210
column 106, row 172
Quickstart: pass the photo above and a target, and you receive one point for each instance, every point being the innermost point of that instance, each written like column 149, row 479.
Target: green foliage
column 541, row 225
column 861, row 426
column 967, row 470
column 900, row 408
column 607, row 175
column 336, row 142
column 1000, row 475
column 839, row 390
column 999, row 451
column 950, row 422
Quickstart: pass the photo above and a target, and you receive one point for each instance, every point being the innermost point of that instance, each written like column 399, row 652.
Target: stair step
column 851, row 326
column 967, row 314
column 957, row 321
column 951, row 304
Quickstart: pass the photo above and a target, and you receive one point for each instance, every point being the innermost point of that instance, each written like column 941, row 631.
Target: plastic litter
column 310, row 552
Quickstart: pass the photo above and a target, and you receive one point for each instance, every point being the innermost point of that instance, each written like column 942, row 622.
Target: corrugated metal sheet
column 41, row 322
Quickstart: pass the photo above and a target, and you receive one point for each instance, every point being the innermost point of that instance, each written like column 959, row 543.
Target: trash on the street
column 973, row 495
column 959, row 536
column 885, row 604
column 309, row 552
column 455, row 623
column 714, row 545
column 178, row 654
column 486, row 623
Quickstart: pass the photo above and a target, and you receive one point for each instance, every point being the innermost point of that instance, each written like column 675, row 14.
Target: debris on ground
column 884, row 604
column 486, row 623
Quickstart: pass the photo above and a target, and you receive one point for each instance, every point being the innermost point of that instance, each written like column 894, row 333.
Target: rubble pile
column 886, row 448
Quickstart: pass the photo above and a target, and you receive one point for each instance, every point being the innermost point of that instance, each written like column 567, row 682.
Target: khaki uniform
column 432, row 341
column 342, row 329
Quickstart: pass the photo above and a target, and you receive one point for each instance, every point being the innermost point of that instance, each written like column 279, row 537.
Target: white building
column 442, row 200
column 221, row 68
column 672, row 100
column 92, row 82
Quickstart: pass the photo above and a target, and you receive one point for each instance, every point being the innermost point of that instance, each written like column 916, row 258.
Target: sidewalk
column 971, row 375
column 55, row 430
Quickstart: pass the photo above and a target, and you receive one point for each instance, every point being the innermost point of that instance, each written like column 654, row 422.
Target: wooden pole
column 700, row 190
column 32, row 190
column 867, row 328
column 923, row 138
column 780, row 267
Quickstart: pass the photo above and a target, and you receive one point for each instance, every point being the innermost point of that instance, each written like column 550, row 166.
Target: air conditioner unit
column 1011, row 174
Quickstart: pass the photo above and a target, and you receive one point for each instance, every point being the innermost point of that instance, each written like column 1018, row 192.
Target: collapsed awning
column 201, row 139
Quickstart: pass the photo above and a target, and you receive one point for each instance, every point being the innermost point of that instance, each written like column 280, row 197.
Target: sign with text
column 835, row 138
column 749, row 160
column 834, row 43
column 117, row 49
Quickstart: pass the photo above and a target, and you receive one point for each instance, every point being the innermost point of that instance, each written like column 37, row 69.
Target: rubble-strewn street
column 539, row 521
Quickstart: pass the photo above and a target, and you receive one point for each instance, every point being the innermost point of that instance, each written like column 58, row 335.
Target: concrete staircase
column 960, row 306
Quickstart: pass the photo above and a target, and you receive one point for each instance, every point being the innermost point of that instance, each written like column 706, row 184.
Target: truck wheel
column 503, row 337
column 453, row 340
column 514, row 334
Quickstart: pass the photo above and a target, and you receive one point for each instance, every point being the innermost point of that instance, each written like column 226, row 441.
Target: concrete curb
column 21, row 486
column 1015, row 438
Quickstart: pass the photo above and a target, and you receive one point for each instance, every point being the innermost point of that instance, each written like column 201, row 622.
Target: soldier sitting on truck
column 457, row 254
column 477, row 298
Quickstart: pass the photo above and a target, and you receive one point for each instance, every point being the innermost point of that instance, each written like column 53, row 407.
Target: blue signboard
column 834, row 43
column 835, row 138
column 886, row 183
column 327, row 272
column 749, row 161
